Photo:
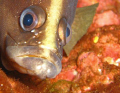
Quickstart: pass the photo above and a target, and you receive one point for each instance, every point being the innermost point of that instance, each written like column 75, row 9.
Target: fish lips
column 34, row 60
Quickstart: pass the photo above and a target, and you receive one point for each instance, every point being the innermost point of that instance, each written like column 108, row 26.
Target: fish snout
column 34, row 60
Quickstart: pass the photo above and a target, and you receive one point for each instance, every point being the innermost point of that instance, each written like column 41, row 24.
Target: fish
column 33, row 34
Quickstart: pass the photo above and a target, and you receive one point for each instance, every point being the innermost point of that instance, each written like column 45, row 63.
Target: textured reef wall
column 93, row 65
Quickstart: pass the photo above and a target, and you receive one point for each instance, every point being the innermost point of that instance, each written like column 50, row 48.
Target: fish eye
column 27, row 20
column 68, row 33
column 64, row 31
column 32, row 17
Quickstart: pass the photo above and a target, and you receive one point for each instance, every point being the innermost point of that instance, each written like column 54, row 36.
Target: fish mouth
column 34, row 60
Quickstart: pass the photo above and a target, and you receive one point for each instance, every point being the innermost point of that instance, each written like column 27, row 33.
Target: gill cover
column 33, row 34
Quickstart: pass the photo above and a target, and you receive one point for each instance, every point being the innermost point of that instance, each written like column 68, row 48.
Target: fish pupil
column 67, row 32
column 28, row 20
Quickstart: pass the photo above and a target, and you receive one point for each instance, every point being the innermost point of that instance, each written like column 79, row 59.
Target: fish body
column 33, row 33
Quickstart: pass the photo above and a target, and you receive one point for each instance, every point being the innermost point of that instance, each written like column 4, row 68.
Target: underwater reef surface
column 93, row 65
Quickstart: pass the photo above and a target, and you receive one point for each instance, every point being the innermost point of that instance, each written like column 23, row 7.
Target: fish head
column 33, row 33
